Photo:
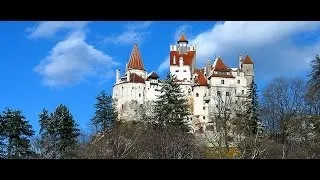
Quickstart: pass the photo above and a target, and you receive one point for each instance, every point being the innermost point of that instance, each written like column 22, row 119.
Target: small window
column 235, row 91
column 205, row 95
column 139, row 95
column 190, row 118
column 177, row 70
column 184, row 70
column 204, row 108
column 218, row 93
column 184, row 79
column 132, row 87
column 204, row 117
column 238, row 81
column 222, row 81
column 197, row 94
column 227, row 94
column 187, row 118
column 242, row 92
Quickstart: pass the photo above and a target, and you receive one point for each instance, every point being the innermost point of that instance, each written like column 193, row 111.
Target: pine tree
column 2, row 137
column 315, row 76
column 48, row 135
column 252, row 110
column 17, row 131
column 171, row 107
column 67, row 131
column 105, row 114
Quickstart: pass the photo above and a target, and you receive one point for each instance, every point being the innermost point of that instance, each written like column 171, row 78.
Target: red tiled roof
column 135, row 60
column 183, row 38
column 247, row 60
column 220, row 66
column 187, row 58
column 153, row 75
column 200, row 79
column 134, row 78
column 199, row 70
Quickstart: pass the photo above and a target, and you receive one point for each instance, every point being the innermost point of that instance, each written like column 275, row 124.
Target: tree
column 315, row 76
column 17, row 132
column 171, row 106
column 222, row 113
column 67, row 130
column 105, row 114
column 48, row 135
column 283, row 108
column 2, row 137
column 252, row 112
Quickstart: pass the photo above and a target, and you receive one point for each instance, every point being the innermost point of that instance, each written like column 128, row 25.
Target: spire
column 183, row 38
column 220, row 66
column 135, row 60
column 247, row 60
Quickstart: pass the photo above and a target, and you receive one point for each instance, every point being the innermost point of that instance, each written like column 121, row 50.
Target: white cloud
column 134, row 32
column 73, row 60
column 269, row 43
column 50, row 28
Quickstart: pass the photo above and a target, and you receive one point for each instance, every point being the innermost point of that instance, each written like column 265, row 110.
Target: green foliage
column 252, row 110
column 59, row 133
column 49, row 135
column 171, row 106
column 67, row 129
column 15, row 135
column 105, row 114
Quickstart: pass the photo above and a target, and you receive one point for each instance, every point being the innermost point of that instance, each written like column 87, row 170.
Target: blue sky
column 48, row 63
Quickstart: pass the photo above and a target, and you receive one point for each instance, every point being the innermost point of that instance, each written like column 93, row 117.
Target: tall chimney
column 117, row 75
column 240, row 61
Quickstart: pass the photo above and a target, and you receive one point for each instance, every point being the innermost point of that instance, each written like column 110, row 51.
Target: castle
column 206, row 89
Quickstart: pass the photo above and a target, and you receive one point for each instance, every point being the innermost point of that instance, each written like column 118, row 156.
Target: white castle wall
column 200, row 108
column 181, row 72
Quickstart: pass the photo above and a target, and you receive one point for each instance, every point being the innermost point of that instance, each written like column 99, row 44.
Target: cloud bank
column 72, row 59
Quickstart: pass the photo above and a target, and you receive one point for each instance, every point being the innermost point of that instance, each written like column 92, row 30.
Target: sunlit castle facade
column 205, row 88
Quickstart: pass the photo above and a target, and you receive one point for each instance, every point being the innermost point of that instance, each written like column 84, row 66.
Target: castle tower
column 247, row 68
column 182, row 44
column 135, row 63
column 182, row 60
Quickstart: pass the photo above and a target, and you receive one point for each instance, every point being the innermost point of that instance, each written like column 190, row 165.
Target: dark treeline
column 284, row 122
